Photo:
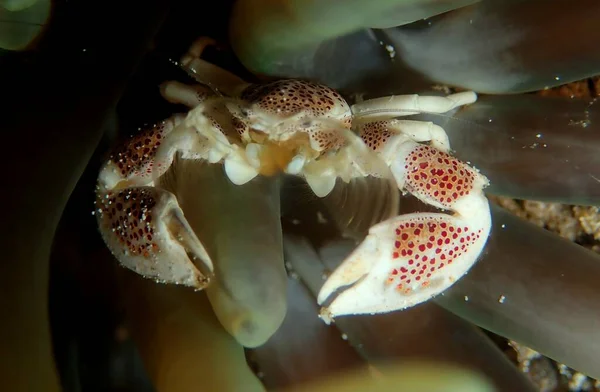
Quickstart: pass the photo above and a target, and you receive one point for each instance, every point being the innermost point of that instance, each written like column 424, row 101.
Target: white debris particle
column 501, row 299
column 577, row 382
column 294, row 276
column 93, row 212
column 391, row 51
column 344, row 336
column 564, row 370
column 466, row 298
column 295, row 222
column 503, row 226
column 321, row 218
column 582, row 124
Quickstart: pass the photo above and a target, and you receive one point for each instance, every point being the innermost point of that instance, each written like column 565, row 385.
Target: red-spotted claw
column 408, row 259
column 142, row 225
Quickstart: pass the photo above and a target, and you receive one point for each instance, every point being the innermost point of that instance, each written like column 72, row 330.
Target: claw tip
column 326, row 316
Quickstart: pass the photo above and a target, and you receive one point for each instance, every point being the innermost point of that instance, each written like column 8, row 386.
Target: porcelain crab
column 305, row 129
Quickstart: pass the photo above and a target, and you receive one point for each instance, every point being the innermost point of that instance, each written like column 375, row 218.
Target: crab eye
column 245, row 112
column 307, row 123
column 239, row 110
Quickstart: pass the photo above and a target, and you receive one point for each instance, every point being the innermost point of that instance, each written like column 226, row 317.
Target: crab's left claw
column 145, row 229
column 405, row 261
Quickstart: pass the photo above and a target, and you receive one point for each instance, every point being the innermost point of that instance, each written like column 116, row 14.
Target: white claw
column 214, row 155
column 357, row 265
column 322, row 184
column 238, row 169
column 253, row 151
column 296, row 165
column 360, row 281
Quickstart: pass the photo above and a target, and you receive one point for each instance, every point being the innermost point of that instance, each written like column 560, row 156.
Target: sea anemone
column 530, row 285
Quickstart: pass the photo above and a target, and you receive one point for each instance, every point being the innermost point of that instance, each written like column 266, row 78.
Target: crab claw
column 404, row 261
column 146, row 231
column 238, row 168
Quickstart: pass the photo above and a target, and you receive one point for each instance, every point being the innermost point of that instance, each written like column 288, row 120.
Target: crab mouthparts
column 274, row 158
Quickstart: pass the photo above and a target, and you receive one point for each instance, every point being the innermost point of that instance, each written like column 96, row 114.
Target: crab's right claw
column 404, row 261
column 146, row 231
column 357, row 285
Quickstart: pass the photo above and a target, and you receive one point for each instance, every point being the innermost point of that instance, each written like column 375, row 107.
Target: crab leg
column 419, row 131
column 406, row 105
column 146, row 231
column 197, row 48
column 408, row 259
column 179, row 93
column 143, row 226
column 209, row 74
